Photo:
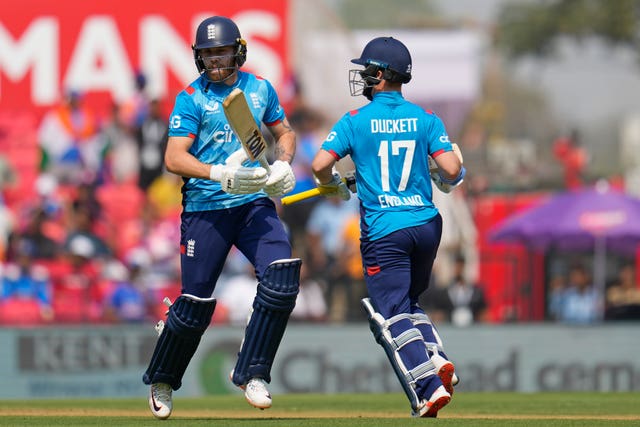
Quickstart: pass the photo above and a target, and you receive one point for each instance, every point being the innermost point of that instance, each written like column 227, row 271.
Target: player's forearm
column 322, row 166
column 285, row 148
column 449, row 164
column 184, row 164
column 285, row 137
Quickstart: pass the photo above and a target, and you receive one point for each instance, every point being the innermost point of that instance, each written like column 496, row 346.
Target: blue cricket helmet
column 390, row 55
column 218, row 31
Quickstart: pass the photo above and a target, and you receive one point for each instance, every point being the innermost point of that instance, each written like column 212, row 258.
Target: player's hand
column 281, row 179
column 445, row 184
column 335, row 188
column 237, row 179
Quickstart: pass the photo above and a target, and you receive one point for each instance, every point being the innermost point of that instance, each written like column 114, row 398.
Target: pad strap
column 188, row 317
column 406, row 350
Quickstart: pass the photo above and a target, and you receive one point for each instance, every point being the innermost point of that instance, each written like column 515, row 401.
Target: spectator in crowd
column 324, row 234
column 26, row 288
column 623, row 296
column 121, row 162
column 33, row 232
column 83, row 199
column 557, row 289
column 128, row 301
column 236, row 289
column 78, row 296
column 579, row 303
column 462, row 302
column 135, row 110
column 165, row 195
column 7, row 221
column 82, row 224
column 151, row 137
column 310, row 304
column 573, row 157
column 348, row 286
column 68, row 141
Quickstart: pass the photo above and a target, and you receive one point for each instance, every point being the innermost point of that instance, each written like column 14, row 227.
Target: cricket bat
column 244, row 126
column 304, row 195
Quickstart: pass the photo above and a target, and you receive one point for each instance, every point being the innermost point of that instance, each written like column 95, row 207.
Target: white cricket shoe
column 446, row 371
column 255, row 391
column 160, row 400
column 257, row 394
column 429, row 408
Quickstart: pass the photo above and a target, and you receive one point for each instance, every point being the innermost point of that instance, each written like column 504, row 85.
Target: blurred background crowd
column 542, row 104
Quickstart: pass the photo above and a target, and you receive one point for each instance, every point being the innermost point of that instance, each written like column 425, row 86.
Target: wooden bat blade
column 244, row 126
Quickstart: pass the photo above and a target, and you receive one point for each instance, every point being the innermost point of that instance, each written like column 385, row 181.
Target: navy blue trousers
column 398, row 266
column 397, row 270
column 207, row 237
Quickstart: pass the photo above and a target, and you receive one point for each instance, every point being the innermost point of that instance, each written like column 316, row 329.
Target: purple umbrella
column 597, row 219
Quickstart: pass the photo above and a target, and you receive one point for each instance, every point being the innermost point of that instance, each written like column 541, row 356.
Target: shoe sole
column 261, row 407
column 445, row 373
column 438, row 404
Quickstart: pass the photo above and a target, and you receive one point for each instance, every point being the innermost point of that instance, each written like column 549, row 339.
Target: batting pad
column 188, row 318
column 432, row 340
column 404, row 346
column 274, row 302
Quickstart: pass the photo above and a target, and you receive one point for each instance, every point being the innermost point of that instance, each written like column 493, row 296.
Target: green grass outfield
column 302, row 410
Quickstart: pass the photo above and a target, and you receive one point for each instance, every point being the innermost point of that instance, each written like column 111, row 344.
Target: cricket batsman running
column 226, row 202
column 391, row 142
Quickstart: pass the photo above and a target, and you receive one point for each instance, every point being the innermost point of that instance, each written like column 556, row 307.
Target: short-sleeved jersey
column 389, row 140
column 198, row 114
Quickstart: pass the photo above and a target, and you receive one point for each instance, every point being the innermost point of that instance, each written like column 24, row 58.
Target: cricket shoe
column 160, row 400
column 446, row 371
column 429, row 408
column 256, row 393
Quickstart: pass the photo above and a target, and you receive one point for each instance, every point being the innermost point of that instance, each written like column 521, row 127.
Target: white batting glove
column 445, row 184
column 335, row 188
column 237, row 179
column 281, row 180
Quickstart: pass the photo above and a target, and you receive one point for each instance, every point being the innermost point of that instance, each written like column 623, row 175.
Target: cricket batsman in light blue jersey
column 392, row 142
column 226, row 202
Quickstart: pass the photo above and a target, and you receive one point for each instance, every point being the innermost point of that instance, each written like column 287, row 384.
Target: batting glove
column 445, row 184
column 335, row 188
column 281, row 180
column 237, row 179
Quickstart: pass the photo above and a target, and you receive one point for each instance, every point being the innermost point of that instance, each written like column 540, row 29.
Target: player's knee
column 190, row 314
column 279, row 286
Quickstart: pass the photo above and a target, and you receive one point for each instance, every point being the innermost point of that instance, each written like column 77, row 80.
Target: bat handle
column 298, row 197
column 264, row 163
column 303, row 195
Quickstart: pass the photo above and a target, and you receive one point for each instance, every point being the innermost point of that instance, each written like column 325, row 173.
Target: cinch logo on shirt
column 394, row 126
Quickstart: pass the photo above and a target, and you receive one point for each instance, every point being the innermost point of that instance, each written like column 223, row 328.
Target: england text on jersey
column 387, row 201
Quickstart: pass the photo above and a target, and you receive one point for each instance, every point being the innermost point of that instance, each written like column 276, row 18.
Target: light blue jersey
column 198, row 114
column 389, row 140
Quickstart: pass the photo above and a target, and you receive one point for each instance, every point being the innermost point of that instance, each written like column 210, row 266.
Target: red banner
column 97, row 47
